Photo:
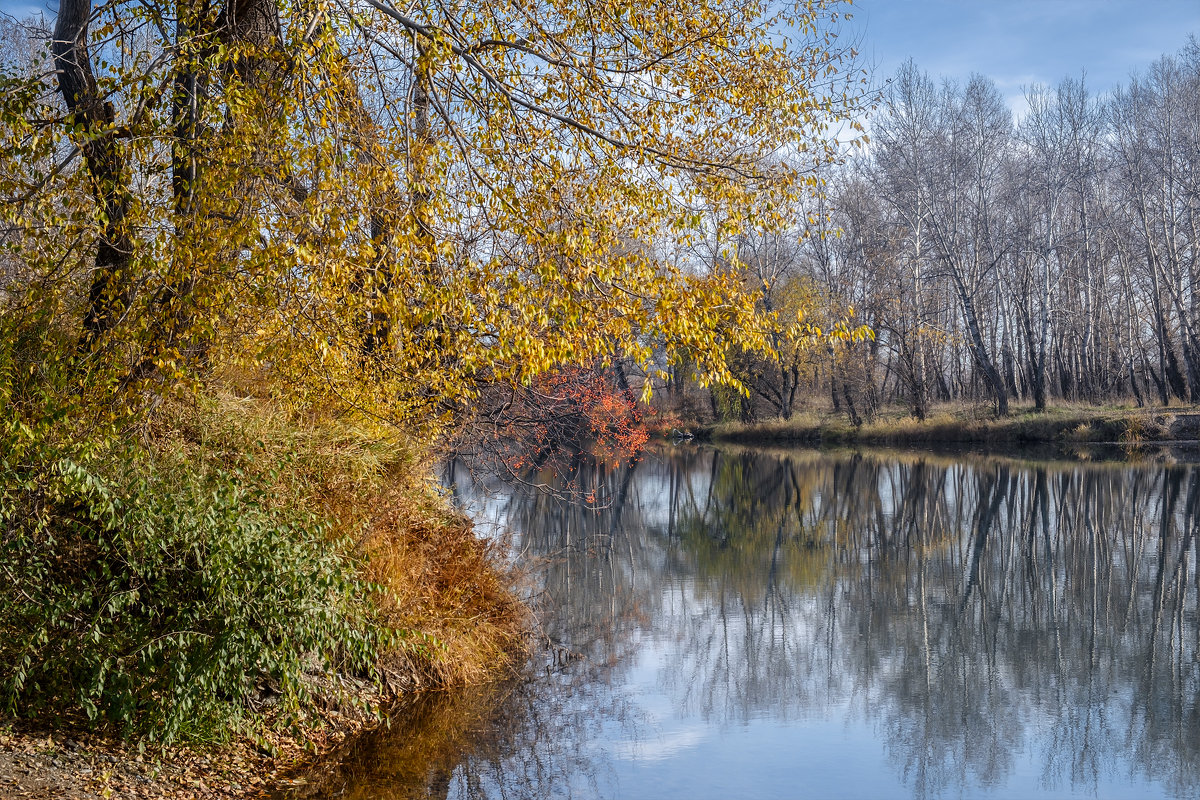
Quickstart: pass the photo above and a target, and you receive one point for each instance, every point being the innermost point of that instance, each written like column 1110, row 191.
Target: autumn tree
column 352, row 218
column 395, row 208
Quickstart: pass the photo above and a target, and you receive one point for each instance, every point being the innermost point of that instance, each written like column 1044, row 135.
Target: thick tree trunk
column 855, row 419
column 254, row 26
column 98, row 139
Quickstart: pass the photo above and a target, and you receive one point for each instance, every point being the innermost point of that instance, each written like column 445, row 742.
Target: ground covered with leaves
column 86, row 767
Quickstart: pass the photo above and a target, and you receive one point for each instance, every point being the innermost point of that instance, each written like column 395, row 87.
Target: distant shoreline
column 1073, row 425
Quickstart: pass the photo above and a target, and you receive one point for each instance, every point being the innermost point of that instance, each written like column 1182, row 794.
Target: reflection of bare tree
column 972, row 609
column 966, row 603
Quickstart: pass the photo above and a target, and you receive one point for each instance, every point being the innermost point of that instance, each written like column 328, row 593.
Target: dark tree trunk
column 110, row 291
column 1010, row 374
column 174, row 311
column 979, row 351
column 855, row 419
column 1137, row 392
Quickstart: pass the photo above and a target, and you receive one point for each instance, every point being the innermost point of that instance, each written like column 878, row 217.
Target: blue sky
column 1019, row 42
column 1014, row 42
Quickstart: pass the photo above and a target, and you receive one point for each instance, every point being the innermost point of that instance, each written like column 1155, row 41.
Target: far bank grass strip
column 962, row 426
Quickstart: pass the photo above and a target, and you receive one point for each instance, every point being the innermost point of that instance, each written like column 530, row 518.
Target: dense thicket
column 1052, row 257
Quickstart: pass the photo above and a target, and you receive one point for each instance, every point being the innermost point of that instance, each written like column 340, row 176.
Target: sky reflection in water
column 798, row 624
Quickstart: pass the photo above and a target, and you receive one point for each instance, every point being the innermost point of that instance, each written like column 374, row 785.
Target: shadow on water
column 741, row 622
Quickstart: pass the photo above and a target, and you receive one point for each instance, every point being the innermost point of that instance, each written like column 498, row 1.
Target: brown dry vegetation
column 445, row 585
column 449, row 591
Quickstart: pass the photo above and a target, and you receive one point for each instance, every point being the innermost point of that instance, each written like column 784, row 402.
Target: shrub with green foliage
column 156, row 597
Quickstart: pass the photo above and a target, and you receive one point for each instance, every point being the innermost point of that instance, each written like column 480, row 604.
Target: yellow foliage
column 381, row 211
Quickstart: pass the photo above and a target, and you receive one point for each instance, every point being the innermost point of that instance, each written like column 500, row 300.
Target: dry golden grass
column 446, row 585
column 448, row 591
column 974, row 424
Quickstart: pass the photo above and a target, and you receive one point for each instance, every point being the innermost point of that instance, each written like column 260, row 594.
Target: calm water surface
column 762, row 624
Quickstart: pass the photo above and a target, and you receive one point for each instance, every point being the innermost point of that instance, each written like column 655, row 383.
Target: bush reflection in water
column 969, row 608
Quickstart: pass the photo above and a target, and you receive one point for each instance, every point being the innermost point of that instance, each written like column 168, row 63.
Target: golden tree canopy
column 389, row 207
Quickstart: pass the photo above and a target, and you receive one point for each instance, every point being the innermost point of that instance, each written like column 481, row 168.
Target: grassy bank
column 232, row 588
column 961, row 425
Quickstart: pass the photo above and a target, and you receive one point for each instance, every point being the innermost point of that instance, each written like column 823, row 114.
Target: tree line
column 1052, row 257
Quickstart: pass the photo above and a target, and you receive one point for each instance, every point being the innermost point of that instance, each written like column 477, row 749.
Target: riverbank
column 1071, row 424
column 438, row 607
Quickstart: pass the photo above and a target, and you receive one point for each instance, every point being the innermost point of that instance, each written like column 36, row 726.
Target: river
column 726, row 623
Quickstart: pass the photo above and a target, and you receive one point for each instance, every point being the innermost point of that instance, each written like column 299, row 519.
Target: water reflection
column 742, row 623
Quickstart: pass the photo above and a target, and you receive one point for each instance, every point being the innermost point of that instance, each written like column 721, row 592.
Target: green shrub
column 158, row 598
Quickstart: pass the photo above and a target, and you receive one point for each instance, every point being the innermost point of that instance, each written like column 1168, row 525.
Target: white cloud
column 666, row 745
